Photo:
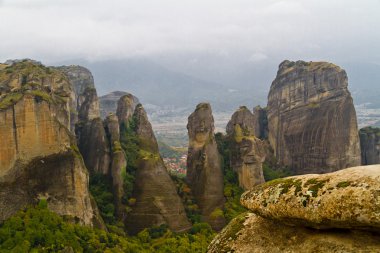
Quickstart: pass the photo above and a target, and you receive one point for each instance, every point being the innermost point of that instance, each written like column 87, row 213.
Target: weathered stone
column 157, row 201
column 370, row 145
column 311, row 118
column 247, row 151
column 347, row 198
column 38, row 160
column 204, row 172
column 89, row 109
column 260, row 122
column 108, row 103
column 94, row 146
column 249, row 233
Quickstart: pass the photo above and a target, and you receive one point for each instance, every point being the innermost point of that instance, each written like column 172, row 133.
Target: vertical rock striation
column 247, row 151
column 370, row 145
column 312, row 119
column 38, row 155
column 204, row 172
column 260, row 122
column 157, row 201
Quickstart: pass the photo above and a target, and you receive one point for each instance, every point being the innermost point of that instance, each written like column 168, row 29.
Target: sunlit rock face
column 247, row 151
column 204, row 172
column 312, row 119
column 38, row 156
column 157, row 201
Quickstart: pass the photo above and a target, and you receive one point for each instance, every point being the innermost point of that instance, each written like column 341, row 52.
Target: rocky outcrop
column 125, row 108
column 108, row 103
column 157, row 201
column 118, row 163
column 38, row 155
column 247, row 151
column 250, row 233
column 335, row 212
column 370, row 145
column 204, row 172
column 344, row 199
column 260, row 122
column 311, row 118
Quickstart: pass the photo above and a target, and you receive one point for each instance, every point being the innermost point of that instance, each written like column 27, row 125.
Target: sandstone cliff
column 335, row 212
column 370, row 145
column 204, row 172
column 260, row 122
column 125, row 108
column 38, row 155
column 157, row 201
column 247, row 151
column 311, row 118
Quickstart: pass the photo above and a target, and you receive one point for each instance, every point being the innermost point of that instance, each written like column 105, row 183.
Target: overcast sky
column 55, row 30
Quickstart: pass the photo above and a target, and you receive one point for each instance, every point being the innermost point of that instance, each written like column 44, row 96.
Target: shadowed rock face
column 157, row 201
column 204, row 172
column 312, row 119
column 118, row 163
column 260, row 122
column 247, row 151
column 38, row 155
column 370, row 145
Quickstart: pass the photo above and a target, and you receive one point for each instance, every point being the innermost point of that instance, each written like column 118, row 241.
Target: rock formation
column 311, row 118
column 118, row 163
column 335, row 212
column 370, row 145
column 108, row 103
column 38, row 155
column 247, row 151
column 125, row 108
column 204, row 172
column 157, row 201
column 260, row 122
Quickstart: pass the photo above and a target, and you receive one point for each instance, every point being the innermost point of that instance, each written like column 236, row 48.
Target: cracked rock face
column 312, row 119
column 247, row 151
column 204, row 172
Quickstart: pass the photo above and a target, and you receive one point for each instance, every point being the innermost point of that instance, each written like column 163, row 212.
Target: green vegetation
column 315, row 185
column 37, row 229
column 271, row 172
column 232, row 191
column 10, row 99
column 343, row 184
column 167, row 151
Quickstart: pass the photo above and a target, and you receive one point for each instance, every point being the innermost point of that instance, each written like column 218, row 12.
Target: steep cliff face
column 108, row 103
column 118, row 163
column 334, row 212
column 38, row 155
column 247, row 151
column 260, row 122
column 157, row 201
column 312, row 119
column 204, row 172
column 370, row 145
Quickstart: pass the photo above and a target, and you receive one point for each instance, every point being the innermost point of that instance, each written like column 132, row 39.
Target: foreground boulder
column 250, row 233
column 370, row 145
column 344, row 199
column 204, row 171
column 311, row 118
column 247, row 151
